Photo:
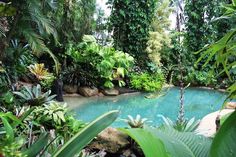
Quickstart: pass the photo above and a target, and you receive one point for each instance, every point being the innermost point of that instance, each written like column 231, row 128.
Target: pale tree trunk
column 179, row 22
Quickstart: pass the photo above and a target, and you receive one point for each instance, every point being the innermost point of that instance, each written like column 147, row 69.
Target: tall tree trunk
column 179, row 20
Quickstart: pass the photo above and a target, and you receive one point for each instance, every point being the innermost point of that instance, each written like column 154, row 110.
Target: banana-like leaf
column 199, row 145
column 174, row 146
column 38, row 146
column 82, row 138
column 224, row 142
column 169, row 142
column 151, row 145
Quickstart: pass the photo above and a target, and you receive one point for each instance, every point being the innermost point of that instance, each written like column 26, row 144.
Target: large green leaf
column 199, row 145
column 8, row 129
column 169, row 142
column 224, row 142
column 151, row 145
column 174, row 146
column 82, row 138
column 38, row 146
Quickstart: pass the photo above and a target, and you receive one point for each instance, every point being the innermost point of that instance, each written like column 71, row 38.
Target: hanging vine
column 130, row 22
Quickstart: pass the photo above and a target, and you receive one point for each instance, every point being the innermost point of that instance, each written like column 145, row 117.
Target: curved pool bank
column 198, row 103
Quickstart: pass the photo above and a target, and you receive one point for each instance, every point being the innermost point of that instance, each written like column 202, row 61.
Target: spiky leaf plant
column 34, row 96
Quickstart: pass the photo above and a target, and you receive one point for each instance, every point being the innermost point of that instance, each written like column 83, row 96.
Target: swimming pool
column 198, row 103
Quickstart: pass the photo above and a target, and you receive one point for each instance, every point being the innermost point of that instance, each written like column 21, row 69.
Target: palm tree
column 27, row 20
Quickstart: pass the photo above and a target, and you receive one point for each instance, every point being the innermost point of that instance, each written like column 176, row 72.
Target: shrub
column 56, row 116
column 102, row 62
column 203, row 77
column 147, row 81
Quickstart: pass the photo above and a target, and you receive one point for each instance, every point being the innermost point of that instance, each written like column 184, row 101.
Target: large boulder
column 70, row 89
column 111, row 140
column 230, row 105
column 110, row 92
column 87, row 91
column 207, row 126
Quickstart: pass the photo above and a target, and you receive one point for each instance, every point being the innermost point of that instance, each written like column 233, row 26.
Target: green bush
column 56, row 116
column 203, row 77
column 147, row 81
column 102, row 62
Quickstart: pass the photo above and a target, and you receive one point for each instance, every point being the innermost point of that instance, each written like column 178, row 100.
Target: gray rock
column 87, row 91
column 111, row 140
column 70, row 89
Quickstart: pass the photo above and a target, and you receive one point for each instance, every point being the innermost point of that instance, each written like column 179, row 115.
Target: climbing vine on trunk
column 130, row 22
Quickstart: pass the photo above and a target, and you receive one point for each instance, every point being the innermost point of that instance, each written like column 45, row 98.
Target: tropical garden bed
column 53, row 48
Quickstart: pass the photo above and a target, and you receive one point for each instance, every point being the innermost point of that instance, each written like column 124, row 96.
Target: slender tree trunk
column 180, row 119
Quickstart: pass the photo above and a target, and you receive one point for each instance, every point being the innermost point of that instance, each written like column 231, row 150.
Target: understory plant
column 204, row 77
column 18, row 57
column 102, row 62
column 137, row 122
column 34, row 96
column 223, row 51
column 13, row 144
column 147, row 81
column 186, row 126
column 42, row 75
column 45, row 127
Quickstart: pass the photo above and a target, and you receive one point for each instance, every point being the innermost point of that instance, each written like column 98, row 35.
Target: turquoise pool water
column 198, row 103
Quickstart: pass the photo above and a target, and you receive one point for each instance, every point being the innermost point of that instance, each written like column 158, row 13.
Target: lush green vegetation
column 45, row 44
column 105, row 63
column 130, row 22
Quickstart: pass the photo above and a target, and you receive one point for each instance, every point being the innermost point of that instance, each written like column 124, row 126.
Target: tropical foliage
column 104, row 63
column 130, row 22
column 166, row 141
column 147, row 81
column 224, row 51
column 158, row 36
column 12, row 147
column 44, row 44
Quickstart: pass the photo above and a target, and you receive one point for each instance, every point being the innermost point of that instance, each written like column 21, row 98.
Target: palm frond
column 35, row 41
column 44, row 24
